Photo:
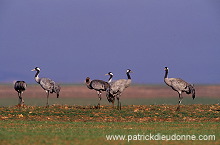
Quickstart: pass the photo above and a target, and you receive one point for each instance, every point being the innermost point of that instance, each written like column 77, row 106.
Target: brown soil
column 145, row 91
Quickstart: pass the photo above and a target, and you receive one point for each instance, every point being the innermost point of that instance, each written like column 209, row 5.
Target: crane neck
column 129, row 77
column 88, row 83
column 37, row 79
column 110, row 79
column 166, row 74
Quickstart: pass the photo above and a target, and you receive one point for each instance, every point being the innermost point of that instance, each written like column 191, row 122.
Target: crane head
column 36, row 69
column 87, row 80
column 129, row 71
column 110, row 74
column 166, row 68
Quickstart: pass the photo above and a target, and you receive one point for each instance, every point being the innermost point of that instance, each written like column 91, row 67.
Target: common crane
column 110, row 97
column 99, row 86
column 179, row 86
column 20, row 87
column 47, row 84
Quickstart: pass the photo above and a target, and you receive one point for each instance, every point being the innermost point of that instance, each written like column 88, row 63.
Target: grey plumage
column 47, row 84
column 179, row 86
column 20, row 87
column 117, row 87
column 98, row 85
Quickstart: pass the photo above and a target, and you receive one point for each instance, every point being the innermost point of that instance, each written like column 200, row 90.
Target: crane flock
column 113, row 89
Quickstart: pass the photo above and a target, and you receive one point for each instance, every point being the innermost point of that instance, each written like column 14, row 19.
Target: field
column 73, row 118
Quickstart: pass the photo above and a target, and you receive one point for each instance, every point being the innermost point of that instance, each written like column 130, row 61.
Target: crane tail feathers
column 192, row 90
column 109, row 96
column 193, row 94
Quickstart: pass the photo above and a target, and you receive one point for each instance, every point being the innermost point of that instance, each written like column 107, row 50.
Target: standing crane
column 117, row 87
column 110, row 98
column 179, row 86
column 20, row 87
column 99, row 86
column 47, row 84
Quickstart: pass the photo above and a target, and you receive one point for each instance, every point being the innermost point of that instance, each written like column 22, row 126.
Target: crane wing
column 118, row 85
column 20, row 86
column 47, row 84
column 178, row 84
column 99, row 85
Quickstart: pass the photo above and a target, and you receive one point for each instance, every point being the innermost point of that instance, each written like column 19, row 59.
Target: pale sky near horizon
column 72, row 39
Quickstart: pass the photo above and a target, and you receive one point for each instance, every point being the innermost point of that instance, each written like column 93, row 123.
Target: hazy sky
column 72, row 39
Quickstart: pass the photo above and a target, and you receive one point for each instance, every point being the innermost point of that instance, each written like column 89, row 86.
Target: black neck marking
column 37, row 73
column 129, row 77
column 166, row 74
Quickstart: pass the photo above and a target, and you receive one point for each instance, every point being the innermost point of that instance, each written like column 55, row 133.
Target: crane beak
column 33, row 70
column 106, row 74
column 166, row 68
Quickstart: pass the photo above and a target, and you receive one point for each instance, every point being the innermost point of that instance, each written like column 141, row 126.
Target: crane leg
column 19, row 101
column 119, row 103
column 47, row 105
column 22, row 101
column 180, row 100
column 100, row 98
column 113, row 101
